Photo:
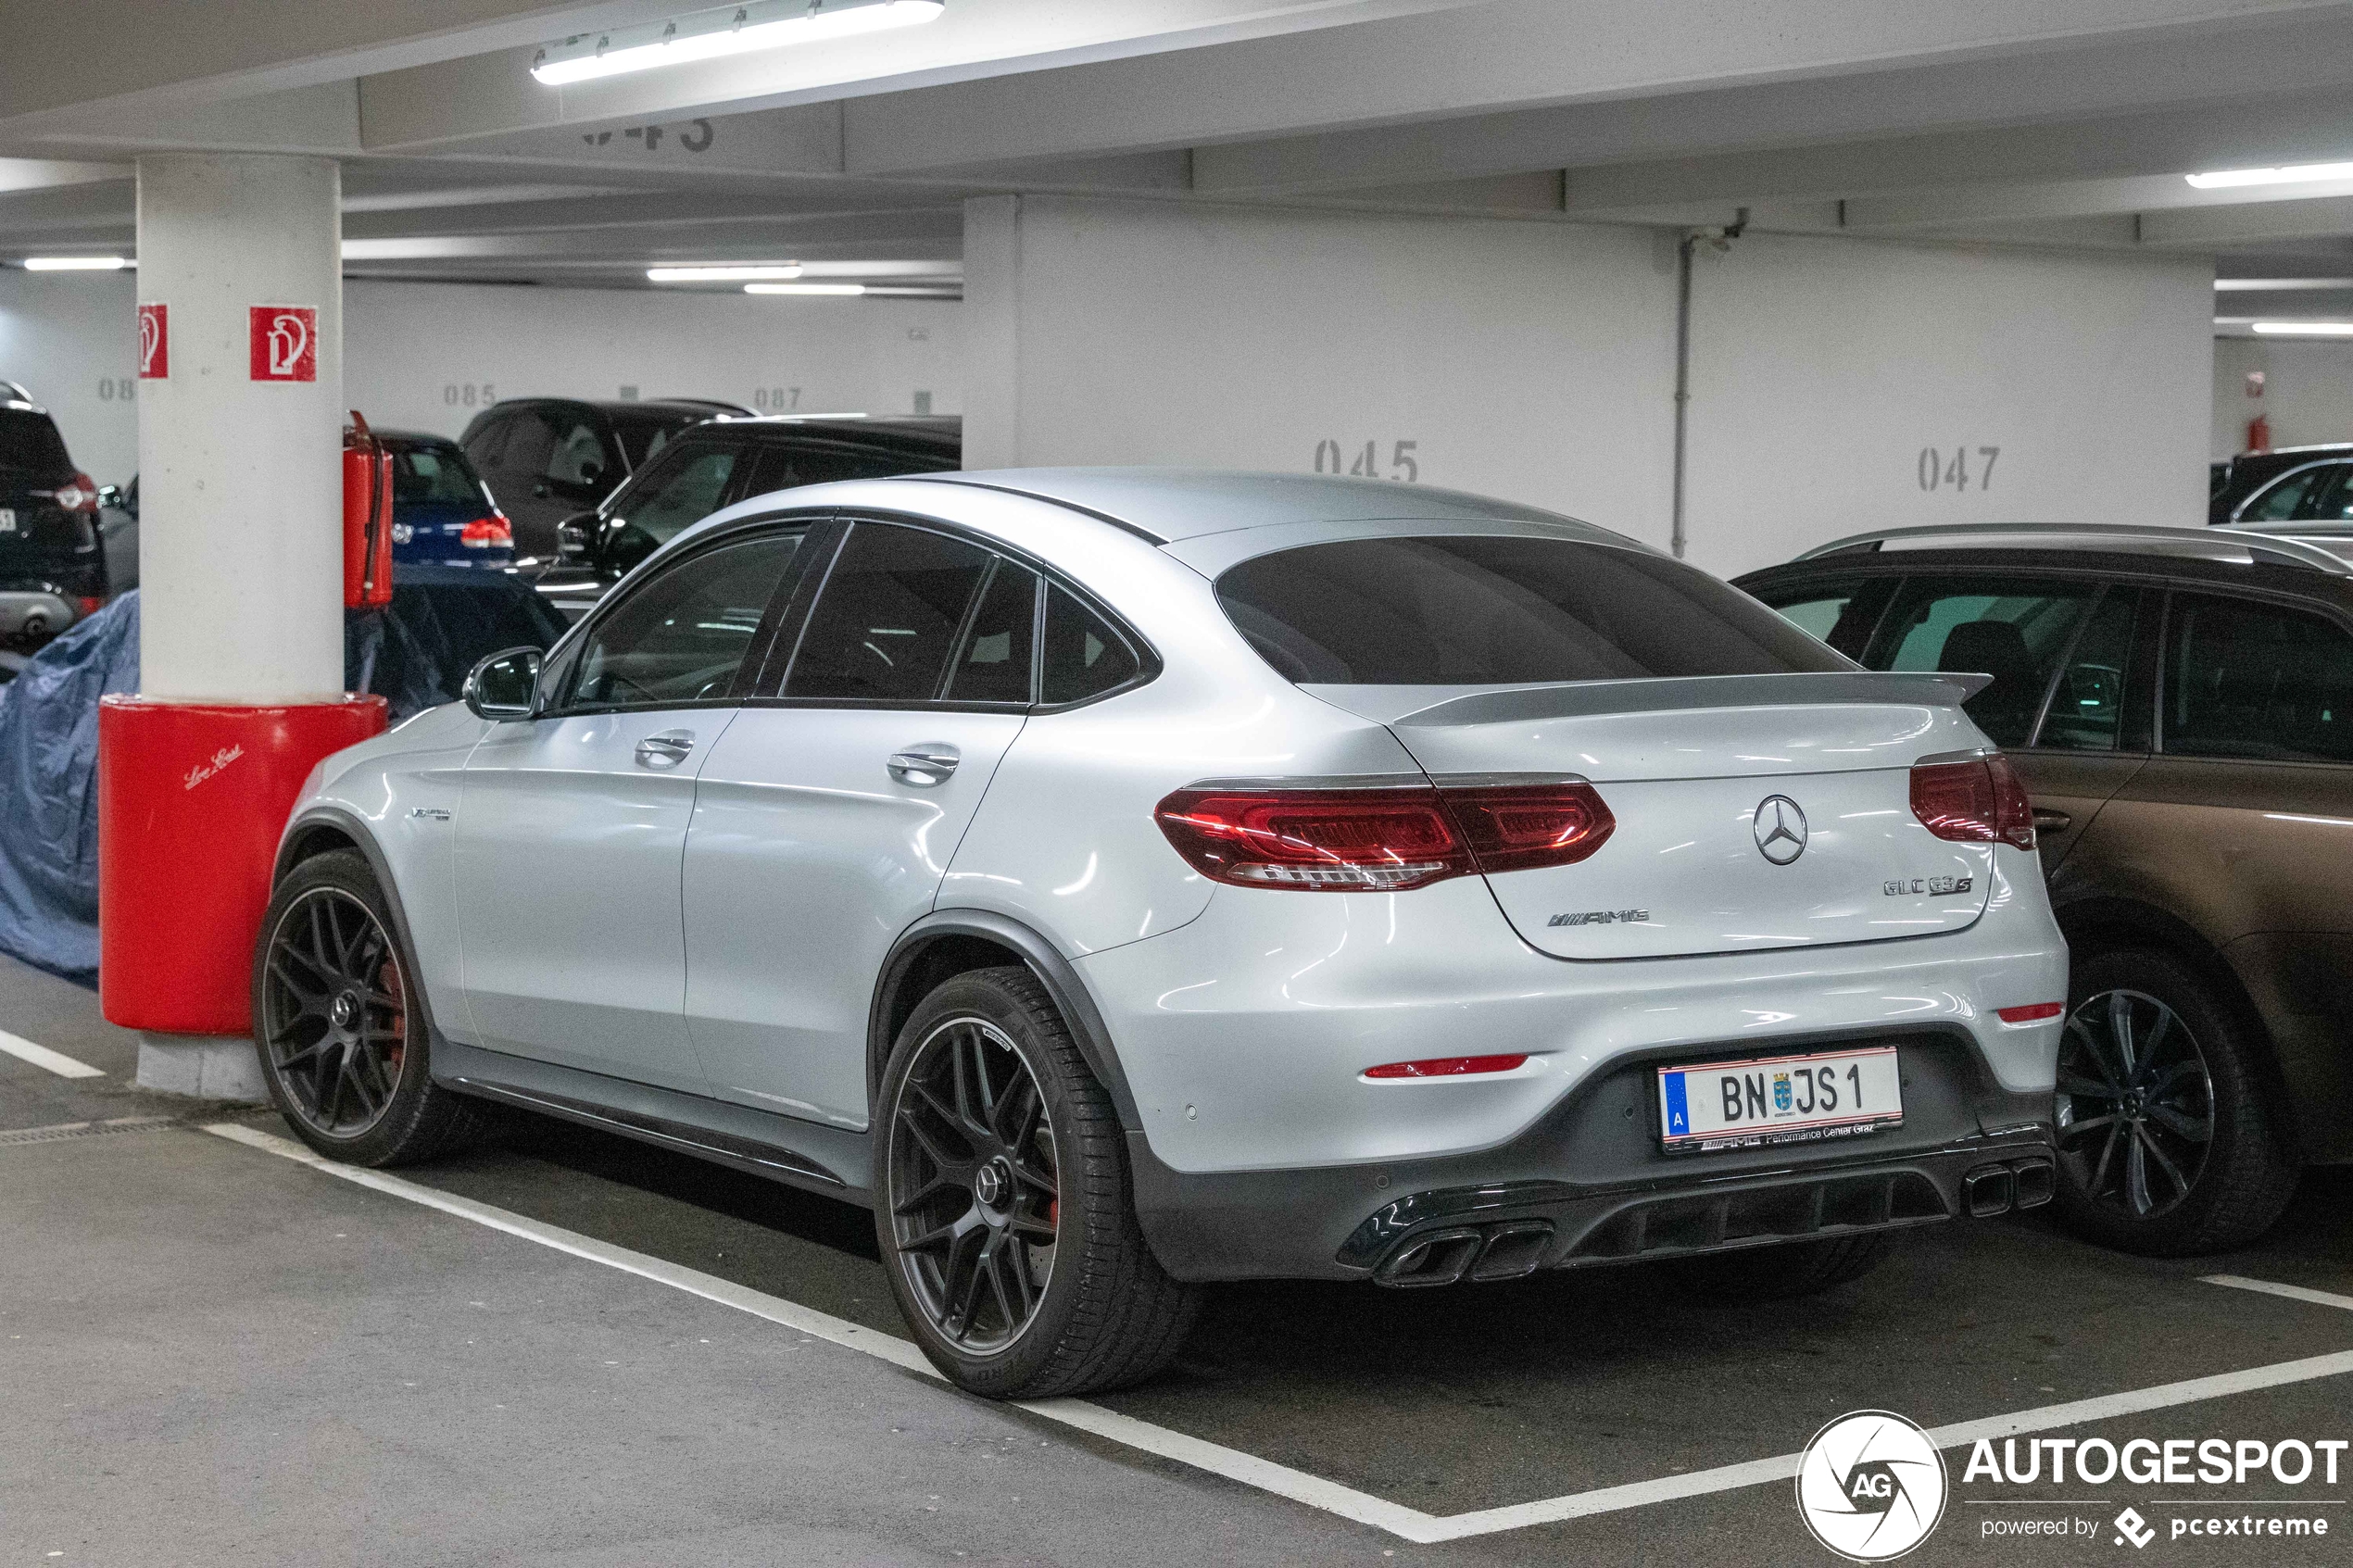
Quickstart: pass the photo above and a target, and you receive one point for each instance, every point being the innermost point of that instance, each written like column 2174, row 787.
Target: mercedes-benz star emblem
column 1781, row 829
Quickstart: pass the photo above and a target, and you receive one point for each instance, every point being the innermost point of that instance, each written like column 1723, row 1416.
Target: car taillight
column 486, row 533
column 1979, row 801
column 88, row 604
column 82, row 495
column 1381, row 840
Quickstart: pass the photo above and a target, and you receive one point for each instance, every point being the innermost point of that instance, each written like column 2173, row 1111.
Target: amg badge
column 1934, row 886
column 1599, row 917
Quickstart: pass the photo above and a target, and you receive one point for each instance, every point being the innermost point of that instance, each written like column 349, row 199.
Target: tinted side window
column 28, row 441
column 887, row 617
column 684, row 488
column 485, row 446
column 2013, row 630
column 1841, row 614
column 2243, row 679
column 1084, row 655
column 579, row 456
column 1471, row 610
column 2088, row 709
column 531, row 441
column 682, row 636
column 992, row 665
column 2290, row 498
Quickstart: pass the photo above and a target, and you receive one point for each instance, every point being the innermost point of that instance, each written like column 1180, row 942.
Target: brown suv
column 2180, row 703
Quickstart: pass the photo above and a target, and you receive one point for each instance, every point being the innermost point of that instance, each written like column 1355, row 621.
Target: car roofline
column 2110, row 537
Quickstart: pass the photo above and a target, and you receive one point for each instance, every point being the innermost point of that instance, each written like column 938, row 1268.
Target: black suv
column 717, row 464
column 52, row 570
column 2179, row 703
column 545, row 459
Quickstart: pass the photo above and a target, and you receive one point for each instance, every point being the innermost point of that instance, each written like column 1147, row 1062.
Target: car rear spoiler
column 1579, row 699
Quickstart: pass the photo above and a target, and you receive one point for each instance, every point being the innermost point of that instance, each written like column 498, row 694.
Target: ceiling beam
column 2216, row 227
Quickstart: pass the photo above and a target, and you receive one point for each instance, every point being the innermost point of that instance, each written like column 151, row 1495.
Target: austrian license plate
column 7, row 520
column 1782, row 1099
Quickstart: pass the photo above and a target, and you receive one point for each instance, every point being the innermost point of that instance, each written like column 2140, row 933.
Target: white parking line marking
column 58, row 1063
column 1409, row 1523
column 2292, row 1292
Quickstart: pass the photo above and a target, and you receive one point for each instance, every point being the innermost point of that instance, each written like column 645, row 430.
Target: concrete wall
column 1534, row 361
column 2308, row 391
column 430, row 356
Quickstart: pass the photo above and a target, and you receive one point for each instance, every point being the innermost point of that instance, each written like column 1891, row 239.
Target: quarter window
column 2013, row 630
column 993, row 664
column 2088, row 709
column 682, row 636
column 1084, row 655
column 2251, row 680
column 888, row 619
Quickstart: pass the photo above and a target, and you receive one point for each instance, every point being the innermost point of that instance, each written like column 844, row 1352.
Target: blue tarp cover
column 416, row 652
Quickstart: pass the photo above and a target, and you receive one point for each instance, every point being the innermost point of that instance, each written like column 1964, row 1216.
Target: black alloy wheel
column 335, row 1017
column 976, row 1189
column 2135, row 1104
column 339, row 1026
column 1004, row 1205
column 2169, row 1143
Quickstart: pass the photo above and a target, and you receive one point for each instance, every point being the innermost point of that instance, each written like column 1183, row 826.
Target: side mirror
column 504, row 685
column 110, row 497
column 571, row 539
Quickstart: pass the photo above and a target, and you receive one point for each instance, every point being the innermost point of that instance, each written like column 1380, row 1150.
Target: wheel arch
column 952, row 942
column 322, row 830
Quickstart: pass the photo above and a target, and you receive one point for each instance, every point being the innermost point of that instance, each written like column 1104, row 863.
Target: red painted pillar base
column 192, row 799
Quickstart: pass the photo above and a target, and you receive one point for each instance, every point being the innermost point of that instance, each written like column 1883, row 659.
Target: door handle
column 926, row 763
column 2046, row 819
column 666, row 750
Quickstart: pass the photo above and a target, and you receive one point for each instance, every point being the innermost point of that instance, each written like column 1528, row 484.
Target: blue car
column 442, row 514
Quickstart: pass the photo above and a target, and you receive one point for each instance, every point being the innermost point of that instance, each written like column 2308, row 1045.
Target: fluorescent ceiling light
column 731, row 29
column 845, row 289
column 76, row 263
column 2278, row 285
column 2305, row 329
column 721, row 274
column 2293, row 174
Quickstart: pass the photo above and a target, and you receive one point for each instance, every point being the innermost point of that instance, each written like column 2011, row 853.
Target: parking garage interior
column 2066, row 285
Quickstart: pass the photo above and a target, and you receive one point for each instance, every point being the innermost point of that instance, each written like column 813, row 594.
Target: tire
column 993, row 1127
column 342, row 1039
column 2130, row 1176
column 1787, row 1268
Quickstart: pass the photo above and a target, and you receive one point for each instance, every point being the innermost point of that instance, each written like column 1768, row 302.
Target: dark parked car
column 52, row 570
column 717, row 464
column 2292, row 484
column 545, row 459
column 442, row 513
column 2179, row 705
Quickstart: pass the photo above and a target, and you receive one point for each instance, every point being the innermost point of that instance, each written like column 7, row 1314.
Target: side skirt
column 823, row 1160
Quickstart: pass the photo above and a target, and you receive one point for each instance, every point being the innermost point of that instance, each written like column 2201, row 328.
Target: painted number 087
column 1937, row 472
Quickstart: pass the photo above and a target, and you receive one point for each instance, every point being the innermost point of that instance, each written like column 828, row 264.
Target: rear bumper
column 35, row 611
column 1589, row 1185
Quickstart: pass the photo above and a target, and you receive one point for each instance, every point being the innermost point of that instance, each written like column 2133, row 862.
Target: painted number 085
column 1937, row 472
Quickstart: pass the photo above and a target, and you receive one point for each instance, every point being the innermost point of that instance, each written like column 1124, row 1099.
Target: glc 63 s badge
column 1934, row 886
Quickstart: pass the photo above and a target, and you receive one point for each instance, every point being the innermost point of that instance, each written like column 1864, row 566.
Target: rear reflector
column 1979, row 801
column 2033, row 1012
column 1382, row 840
column 1446, row 1067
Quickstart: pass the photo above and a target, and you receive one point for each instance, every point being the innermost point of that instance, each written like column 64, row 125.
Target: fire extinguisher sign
column 155, row 342
column 283, row 340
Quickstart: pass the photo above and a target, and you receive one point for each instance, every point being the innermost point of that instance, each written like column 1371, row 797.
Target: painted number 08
column 1937, row 472
column 1364, row 462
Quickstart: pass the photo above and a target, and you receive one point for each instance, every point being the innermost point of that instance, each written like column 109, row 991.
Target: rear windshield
column 434, row 476
column 29, row 441
column 1482, row 610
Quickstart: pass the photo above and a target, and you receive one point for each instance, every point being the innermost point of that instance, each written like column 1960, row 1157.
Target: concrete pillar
column 240, row 478
column 240, row 433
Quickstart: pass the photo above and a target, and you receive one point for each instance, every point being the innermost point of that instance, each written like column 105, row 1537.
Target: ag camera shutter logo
column 1871, row 1486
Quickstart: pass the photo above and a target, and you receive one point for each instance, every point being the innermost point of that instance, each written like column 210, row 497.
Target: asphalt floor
column 211, row 1355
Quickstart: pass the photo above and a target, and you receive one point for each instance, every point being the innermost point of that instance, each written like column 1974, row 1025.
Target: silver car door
column 572, row 825
column 826, row 816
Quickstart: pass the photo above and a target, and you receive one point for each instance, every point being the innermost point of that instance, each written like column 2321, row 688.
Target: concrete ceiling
column 2046, row 122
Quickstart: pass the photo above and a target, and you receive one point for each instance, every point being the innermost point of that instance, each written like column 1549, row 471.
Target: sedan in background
column 545, row 459
column 53, row 569
column 442, row 513
column 2292, row 484
column 717, row 464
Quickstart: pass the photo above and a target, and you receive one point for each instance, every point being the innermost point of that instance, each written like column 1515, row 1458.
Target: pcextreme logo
column 1871, row 1486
